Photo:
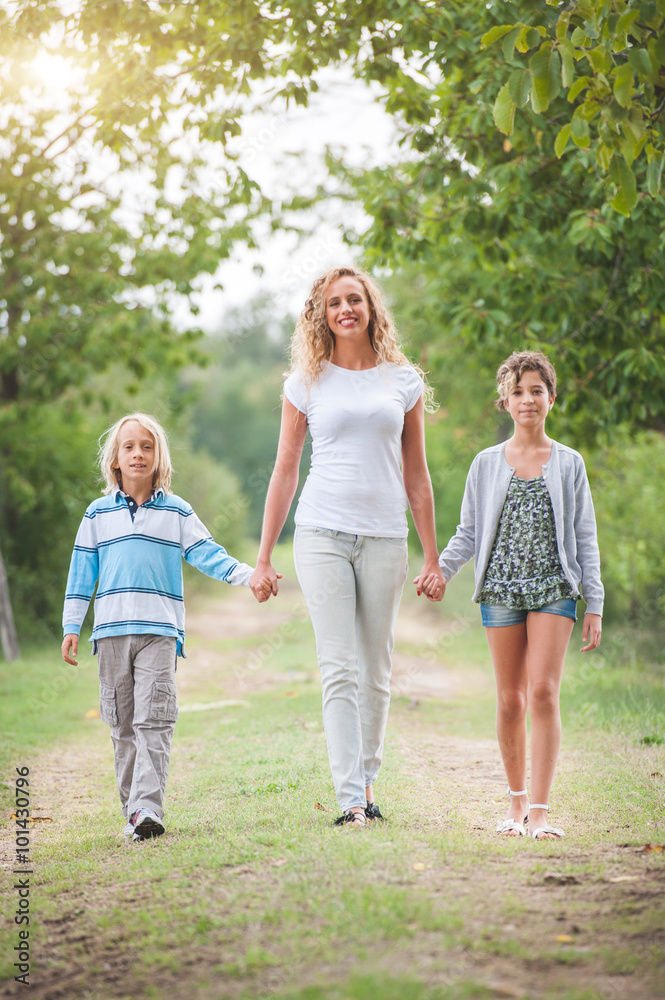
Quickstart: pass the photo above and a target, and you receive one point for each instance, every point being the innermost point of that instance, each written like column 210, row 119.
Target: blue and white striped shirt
column 136, row 562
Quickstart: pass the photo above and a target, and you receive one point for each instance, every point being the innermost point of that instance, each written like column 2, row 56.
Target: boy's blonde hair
column 313, row 341
column 511, row 371
column 108, row 453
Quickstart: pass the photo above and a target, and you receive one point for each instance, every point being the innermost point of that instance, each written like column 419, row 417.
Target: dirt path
column 453, row 780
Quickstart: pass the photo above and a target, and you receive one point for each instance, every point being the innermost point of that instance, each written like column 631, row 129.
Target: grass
column 253, row 894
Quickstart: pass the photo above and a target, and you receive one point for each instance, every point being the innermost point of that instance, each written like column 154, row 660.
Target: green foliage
column 214, row 493
column 110, row 212
column 610, row 57
column 46, row 482
column 467, row 420
column 237, row 412
column 627, row 482
column 518, row 246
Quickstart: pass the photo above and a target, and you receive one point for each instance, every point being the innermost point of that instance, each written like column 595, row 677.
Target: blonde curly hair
column 313, row 342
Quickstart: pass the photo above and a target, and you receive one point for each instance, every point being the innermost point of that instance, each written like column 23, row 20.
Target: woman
column 527, row 519
column 363, row 404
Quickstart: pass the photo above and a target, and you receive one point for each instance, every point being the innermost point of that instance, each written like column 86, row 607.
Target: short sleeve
column 413, row 388
column 296, row 392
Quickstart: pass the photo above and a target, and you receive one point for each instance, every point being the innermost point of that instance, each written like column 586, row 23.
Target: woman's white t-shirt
column 356, row 419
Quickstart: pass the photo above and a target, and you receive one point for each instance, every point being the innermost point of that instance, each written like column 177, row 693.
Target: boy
column 131, row 543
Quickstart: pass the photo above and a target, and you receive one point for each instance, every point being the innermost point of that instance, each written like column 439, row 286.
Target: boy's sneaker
column 146, row 824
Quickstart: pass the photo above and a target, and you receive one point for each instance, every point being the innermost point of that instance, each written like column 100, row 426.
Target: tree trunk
column 7, row 630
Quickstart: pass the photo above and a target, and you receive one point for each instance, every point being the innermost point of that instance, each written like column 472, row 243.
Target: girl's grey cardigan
column 574, row 520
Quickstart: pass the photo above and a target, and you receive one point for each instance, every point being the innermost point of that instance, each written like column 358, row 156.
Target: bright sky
column 283, row 151
column 289, row 147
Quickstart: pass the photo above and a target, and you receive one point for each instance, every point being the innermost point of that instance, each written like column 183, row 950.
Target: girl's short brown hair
column 511, row 371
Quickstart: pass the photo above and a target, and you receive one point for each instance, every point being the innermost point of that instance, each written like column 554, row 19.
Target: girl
column 363, row 404
column 527, row 518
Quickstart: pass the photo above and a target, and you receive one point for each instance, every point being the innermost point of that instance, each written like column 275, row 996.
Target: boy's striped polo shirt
column 134, row 557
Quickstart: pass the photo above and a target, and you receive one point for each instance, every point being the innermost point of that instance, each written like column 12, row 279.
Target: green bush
column 627, row 482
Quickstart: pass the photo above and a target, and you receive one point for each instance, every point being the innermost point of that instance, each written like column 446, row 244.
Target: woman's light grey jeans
column 352, row 585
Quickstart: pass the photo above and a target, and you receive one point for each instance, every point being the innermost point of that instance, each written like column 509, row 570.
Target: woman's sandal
column 554, row 830
column 357, row 818
column 373, row 812
column 508, row 826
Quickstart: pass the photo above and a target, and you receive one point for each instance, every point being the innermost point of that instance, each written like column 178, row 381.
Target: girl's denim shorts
column 497, row 615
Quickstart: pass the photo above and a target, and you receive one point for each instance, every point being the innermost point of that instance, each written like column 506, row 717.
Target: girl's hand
column 591, row 630
column 430, row 582
column 263, row 582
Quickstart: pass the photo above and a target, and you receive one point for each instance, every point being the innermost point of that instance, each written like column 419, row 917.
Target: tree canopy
column 526, row 210
column 610, row 58
column 516, row 244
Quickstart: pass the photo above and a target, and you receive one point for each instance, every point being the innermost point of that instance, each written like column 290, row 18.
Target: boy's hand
column 263, row 583
column 73, row 641
column 263, row 591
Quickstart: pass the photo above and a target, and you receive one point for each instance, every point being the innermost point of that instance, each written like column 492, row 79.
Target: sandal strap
column 351, row 817
column 554, row 830
column 517, row 794
column 539, row 805
column 509, row 825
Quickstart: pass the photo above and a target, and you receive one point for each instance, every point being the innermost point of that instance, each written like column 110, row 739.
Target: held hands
column 591, row 629
column 263, row 582
column 73, row 641
column 430, row 582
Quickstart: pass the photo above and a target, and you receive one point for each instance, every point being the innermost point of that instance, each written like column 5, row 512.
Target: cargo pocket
column 108, row 709
column 164, row 703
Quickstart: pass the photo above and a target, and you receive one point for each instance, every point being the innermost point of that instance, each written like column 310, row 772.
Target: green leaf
column 599, row 59
column 567, row 62
column 493, row 35
column 626, row 21
column 634, row 123
column 579, row 39
column 561, row 140
column 627, row 145
column 604, row 156
column 578, row 87
column 640, row 61
column 519, row 84
column 528, row 37
column 580, row 132
column 588, row 109
column 504, row 111
column 509, row 43
column 623, row 85
column 545, row 66
column 654, row 175
column 625, row 199
column 562, row 25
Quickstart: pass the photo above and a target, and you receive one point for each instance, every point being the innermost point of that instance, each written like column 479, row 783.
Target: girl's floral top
column 524, row 570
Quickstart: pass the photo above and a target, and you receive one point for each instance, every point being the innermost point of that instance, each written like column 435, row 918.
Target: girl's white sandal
column 554, row 830
column 512, row 825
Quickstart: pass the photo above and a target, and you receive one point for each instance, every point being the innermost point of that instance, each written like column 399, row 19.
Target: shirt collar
column 119, row 494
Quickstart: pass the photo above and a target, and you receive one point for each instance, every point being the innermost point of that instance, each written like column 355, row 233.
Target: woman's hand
column 591, row 629
column 430, row 582
column 263, row 582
